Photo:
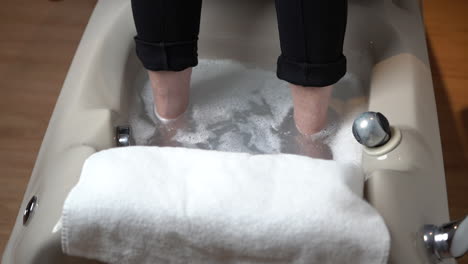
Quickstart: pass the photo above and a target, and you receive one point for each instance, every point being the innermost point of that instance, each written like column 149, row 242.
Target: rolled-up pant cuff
column 306, row 74
column 167, row 56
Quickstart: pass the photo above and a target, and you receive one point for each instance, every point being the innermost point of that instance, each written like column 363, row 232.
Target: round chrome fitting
column 29, row 211
column 122, row 136
column 372, row 129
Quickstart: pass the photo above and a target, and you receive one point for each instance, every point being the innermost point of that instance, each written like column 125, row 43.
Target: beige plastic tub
column 407, row 186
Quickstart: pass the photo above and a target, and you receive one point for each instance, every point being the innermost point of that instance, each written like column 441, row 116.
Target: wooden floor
column 39, row 38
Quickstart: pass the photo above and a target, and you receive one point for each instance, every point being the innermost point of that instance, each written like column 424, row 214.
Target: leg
column 310, row 107
column 171, row 90
column 166, row 44
column 311, row 36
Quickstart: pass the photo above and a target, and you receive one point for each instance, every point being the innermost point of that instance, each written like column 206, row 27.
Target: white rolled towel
column 176, row 205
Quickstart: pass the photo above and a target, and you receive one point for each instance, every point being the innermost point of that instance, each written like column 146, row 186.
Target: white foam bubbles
column 243, row 109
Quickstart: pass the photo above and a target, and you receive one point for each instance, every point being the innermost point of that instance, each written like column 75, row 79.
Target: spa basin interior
column 248, row 110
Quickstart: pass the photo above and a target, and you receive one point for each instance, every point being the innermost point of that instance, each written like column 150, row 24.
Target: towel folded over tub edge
column 177, row 205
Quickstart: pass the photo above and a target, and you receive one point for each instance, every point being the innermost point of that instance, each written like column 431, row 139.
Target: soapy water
column 238, row 108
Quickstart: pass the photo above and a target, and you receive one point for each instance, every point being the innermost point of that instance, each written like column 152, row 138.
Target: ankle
column 310, row 107
column 170, row 92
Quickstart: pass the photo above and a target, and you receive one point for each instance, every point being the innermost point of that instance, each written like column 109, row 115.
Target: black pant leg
column 167, row 33
column 311, row 35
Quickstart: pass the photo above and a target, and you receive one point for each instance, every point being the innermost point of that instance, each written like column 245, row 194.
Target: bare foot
column 310, row 107
column 171, row 92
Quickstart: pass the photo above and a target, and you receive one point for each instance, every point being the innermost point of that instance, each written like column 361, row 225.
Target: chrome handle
column 446, row 241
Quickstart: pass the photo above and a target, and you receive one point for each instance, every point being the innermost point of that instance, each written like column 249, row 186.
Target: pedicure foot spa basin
column 385, row 102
